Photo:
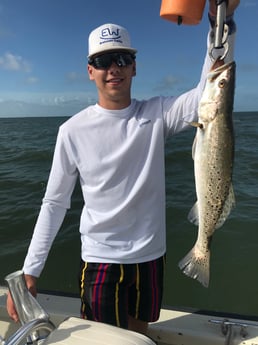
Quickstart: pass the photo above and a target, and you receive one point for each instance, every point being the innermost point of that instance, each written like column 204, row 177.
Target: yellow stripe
column 116, row 297
column 82, row 278
column 138, row 291
column 82, row 287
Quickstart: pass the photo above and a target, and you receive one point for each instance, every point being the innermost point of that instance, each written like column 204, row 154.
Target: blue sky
column 43, row 49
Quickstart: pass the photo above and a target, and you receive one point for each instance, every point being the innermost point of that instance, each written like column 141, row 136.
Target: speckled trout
column 213, row 154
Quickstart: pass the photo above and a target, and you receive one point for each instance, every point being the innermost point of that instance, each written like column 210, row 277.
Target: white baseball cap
column 109, row 37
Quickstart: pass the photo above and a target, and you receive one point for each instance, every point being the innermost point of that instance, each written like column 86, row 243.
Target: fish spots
column 213, row 153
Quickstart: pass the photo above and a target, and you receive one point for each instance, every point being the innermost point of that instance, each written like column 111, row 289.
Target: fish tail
column 197, row 265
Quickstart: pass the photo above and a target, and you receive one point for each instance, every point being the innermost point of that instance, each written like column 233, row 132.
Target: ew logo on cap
column 108, row 35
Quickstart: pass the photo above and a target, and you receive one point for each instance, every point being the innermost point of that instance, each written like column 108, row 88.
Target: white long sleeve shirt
column 118, row 155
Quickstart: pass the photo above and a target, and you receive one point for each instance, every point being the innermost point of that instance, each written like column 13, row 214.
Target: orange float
column 182, row 11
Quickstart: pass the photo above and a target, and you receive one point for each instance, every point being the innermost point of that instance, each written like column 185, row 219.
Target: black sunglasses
column 104, row 61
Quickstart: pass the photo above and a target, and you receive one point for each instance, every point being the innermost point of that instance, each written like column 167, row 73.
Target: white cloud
column 167, row 83
column 13, row 62
column 76, row 77
column 32, row 80
column 72, row 76
column 37, row 104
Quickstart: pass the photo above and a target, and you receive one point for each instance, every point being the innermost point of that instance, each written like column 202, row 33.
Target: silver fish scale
column 217, row 151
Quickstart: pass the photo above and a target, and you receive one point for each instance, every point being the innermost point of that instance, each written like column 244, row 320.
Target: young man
column 116, row 149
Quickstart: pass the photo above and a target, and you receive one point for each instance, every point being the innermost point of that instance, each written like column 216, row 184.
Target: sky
column 44, row 46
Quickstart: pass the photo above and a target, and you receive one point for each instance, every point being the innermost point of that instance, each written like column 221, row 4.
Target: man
column 116, row 149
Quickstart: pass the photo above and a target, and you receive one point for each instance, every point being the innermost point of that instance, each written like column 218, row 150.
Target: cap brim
column 102, row 51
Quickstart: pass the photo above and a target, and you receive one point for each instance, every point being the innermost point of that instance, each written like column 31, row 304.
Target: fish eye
column 222, row 83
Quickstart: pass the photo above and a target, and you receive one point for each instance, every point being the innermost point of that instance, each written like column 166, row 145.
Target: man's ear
column 90, row 72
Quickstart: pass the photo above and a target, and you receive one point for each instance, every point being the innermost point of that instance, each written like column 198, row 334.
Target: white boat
column 173, row 328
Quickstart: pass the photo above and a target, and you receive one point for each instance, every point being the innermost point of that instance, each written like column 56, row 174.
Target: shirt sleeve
column 57, row 200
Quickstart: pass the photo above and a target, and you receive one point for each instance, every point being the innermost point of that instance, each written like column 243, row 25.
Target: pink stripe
column 97, row 291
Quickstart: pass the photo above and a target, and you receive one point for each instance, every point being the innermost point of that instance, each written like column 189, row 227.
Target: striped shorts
column 111, row 292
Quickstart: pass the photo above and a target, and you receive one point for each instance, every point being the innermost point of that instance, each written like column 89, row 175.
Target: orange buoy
column 182, row 11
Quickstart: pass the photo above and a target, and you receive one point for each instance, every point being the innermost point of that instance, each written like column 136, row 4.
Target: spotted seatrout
column 213, row 154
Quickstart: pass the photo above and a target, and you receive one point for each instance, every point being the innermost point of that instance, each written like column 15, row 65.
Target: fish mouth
column 220, row 66
column 217, row 69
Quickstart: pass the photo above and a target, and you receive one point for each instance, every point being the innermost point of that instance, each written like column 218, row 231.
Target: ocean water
column 26, row 146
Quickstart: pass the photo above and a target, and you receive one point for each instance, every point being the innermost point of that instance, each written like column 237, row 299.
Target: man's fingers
column 11, row 308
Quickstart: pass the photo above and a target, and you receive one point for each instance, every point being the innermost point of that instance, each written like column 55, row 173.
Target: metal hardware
column 31, row 314
column 219, row 34
column 227, row 328
column 26, row 305
column 32, row 326
column 220, row 22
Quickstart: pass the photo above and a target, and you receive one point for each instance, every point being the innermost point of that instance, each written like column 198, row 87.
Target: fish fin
column 194, row 146
column 193, row 215
column 196, row 265
column 229, row 204
column 195, row 124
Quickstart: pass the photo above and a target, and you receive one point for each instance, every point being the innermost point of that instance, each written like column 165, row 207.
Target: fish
column 213, row 155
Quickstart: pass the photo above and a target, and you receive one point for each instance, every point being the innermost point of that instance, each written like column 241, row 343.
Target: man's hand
column 31, row 284
column 232, row 5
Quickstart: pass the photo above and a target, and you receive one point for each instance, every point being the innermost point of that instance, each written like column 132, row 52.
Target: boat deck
column 173, row 328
